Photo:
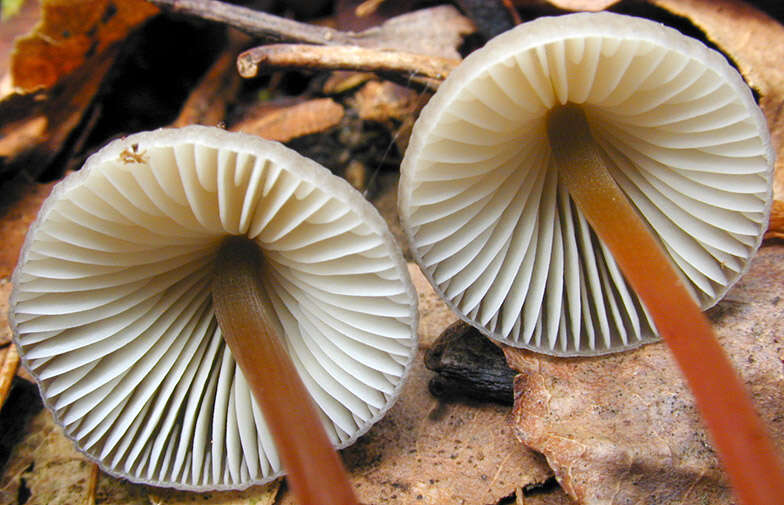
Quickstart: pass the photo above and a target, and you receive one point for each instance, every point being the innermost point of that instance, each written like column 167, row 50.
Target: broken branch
column 256, row 23
column 402, row 67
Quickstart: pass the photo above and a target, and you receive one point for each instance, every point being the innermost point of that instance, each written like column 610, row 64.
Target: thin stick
column 92, row 484
column 315, row 472
column 256, row 23
column 403, row 67
column 8, row 371
column 742, row 442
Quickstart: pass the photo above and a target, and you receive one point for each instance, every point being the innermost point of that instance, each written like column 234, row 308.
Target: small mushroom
column 584, row 183
column 168, row 245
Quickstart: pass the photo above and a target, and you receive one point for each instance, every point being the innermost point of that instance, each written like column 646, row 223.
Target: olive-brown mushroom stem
column 315, row 472
column 739, row 436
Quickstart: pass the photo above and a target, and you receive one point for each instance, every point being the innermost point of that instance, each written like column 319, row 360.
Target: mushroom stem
column 746, row 451
column 315, row 473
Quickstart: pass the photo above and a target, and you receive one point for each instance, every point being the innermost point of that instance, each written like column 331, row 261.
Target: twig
column 402, row 67
column 444, row 24
column 92, row 484
column 256, row 23
column 8, row 371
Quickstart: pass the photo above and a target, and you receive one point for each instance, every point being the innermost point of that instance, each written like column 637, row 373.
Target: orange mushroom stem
column 315, row 472
column 743, row 444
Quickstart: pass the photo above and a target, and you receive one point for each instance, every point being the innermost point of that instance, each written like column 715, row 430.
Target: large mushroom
column 586, row 183
column 168, row 244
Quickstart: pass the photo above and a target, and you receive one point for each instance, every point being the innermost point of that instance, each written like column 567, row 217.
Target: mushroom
column 117, row 315
column 585, row 183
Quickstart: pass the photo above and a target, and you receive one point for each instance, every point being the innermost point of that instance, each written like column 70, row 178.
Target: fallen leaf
column 19, row 204
column 11, row 28
column 70, row 32
column 430, row 451
column 5, row 330
column 47, row 465
column 258, row 495
column 384, row 100
column 624, row 429
column 55, row 473
column 287, row 123
column 776, row 228
column 437, row 31
column 341, row 81
column 73, row 47
column 356, row 15
column 208, row 101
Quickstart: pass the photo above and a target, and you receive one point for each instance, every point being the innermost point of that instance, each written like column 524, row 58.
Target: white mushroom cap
column 501, row 240
column 112, row 311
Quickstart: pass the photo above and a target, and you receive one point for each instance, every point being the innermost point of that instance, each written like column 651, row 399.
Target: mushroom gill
column 499, row 235
column 113, row 312
column 587, row 182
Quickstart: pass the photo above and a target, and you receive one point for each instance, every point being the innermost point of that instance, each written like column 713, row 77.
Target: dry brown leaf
column 286, row 123
column 434, row 452
column 258, row 495
column 776, row 228
column 47, row 464
column 624, row 428
column 55, row 473
column 381, row 101
column 341, row 81
column 19, row 204
column 18, row 25
column 70, row 32
column 73, row 46
column 208, row 101
column 437, row 31
column 552, row 497
column 5, row 293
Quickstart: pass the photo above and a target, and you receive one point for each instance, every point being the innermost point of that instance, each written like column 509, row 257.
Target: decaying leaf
column 55, row 473
column 19, row 204
column 624, row 429
column 208, row 101
column 437, row 31
column 260, row 495
column 776, row 228
column 433, row 452
column 341, row 81
column 47, row 465
column 384, row 100
column 11, row 28
column 70, row 33
column 5, row 292
column 286, row 123
column 10, row 8
column 72, row 47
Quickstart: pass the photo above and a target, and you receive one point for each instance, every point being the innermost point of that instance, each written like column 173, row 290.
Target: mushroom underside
column 113, row 314
column 500, row 237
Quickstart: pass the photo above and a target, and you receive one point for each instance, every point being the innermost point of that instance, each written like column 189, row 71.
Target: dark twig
column 402, row 67
column 444, row 24
column 256, row 23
